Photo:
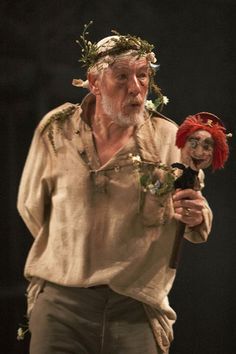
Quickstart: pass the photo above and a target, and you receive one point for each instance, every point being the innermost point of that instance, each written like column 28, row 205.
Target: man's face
column 198, row 150
column 123, row 88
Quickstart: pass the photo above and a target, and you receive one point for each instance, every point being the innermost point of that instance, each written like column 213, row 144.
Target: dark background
column 195, row 45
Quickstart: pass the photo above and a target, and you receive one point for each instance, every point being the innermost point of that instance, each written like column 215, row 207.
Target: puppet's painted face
column 198, row 150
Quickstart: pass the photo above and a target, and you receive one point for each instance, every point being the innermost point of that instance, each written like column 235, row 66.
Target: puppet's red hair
column 193, row 123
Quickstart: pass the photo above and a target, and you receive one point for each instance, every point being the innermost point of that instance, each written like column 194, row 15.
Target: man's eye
column 121, row 77
column 142, row 76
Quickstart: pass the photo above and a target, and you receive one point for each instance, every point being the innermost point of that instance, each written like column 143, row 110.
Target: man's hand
column 188, row 206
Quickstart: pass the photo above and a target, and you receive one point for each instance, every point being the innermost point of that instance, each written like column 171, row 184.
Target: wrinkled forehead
column 129, row 60
column 201, row 135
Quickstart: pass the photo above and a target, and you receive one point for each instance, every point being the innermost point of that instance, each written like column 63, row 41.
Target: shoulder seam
column 156, row 114
column 58, row 117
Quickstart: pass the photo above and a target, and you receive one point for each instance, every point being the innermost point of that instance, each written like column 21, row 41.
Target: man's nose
column 134, row 86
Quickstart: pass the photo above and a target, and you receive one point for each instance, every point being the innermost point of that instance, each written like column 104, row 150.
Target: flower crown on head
column 112, row 46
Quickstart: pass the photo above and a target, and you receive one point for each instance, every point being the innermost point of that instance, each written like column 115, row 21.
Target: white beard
column 123, row 120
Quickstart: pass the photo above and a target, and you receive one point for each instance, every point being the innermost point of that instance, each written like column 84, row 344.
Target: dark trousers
column 92, row 320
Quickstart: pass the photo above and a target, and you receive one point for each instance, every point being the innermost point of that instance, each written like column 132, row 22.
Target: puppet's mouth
column 197, row 162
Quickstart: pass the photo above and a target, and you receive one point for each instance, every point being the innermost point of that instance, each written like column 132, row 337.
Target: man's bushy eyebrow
column 119, row 66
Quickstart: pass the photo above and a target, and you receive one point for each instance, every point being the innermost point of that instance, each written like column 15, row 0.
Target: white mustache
column 133, row 101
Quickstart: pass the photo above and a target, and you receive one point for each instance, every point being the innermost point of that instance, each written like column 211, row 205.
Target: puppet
column 202, row 139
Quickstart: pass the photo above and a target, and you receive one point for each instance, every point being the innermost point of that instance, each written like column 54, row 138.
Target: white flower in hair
column 165, row 100
column 151, row 57
column 108, row 59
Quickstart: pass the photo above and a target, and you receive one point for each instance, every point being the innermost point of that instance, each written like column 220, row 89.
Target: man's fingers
column 196, row 204
column 187, row 194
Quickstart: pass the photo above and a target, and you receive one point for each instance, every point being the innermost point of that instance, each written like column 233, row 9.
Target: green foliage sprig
column 158, row 187
column 150, row 179
column 89, row 49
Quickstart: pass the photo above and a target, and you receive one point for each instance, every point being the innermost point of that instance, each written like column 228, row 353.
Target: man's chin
column 133, row 109
column 130, row 120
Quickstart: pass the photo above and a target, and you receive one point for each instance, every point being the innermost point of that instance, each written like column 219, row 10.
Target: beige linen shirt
column 93, row 224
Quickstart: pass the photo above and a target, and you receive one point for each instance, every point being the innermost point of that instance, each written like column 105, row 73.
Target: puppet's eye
column 208, row 145
column 193, row 143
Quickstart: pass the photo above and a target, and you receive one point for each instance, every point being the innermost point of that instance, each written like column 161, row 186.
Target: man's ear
column 93, row 80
